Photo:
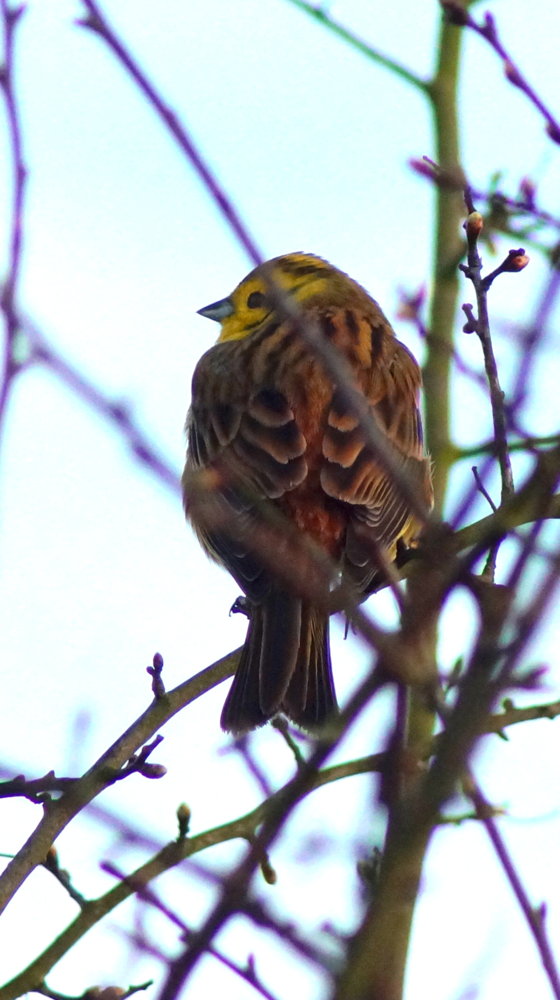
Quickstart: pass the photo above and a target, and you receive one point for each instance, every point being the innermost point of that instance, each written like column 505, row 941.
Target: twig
column 61, row 875
column 459, row 15
column 525, row 203
column 281, row 724
column 155, row 671
column 170, row 856
column 10, row 19
column 96, row 22
column 174, row 853
column 248, row 973
column 95, row 993
column 535, row 917
column 473, row 270
column 284, row 929
column 62, row 811
column 330, row 357
column 489, row 570
column 482, row 489
column 235, row 885
column 137, row 764
column 496, row 200
column 242, row 746
column 324, row 18
column 118, row 415
column 528, row 443
column 37, row 790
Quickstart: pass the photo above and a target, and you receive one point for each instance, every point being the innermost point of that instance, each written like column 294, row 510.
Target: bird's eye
column 256, row 300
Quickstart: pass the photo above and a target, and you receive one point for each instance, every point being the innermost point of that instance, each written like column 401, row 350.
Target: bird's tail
column 285, row 666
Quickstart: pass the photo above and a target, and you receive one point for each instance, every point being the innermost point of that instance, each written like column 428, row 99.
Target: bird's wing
column 249, row 437
column 354, row 473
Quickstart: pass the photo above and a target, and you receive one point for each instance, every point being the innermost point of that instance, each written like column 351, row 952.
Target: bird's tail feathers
column 285, row 666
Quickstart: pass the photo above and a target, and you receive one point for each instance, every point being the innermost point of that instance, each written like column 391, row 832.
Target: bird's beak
column 217, row 310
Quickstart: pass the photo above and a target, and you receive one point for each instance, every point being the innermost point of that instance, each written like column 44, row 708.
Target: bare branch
column 11, row 17
column 320, row 15
column 535, row 917
column 96, row 22
column 458, row 14
column 473, row 271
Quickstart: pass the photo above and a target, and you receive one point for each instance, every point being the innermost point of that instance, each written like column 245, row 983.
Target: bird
column 283, row 484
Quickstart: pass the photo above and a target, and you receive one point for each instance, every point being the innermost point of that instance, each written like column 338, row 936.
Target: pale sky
column 98, row 570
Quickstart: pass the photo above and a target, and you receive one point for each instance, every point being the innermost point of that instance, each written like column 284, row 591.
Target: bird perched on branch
column 305, row 467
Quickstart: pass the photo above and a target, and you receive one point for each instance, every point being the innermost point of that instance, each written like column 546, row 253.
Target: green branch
column 326, row 21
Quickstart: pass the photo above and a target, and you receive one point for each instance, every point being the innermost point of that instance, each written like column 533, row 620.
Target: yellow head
column 308, row 279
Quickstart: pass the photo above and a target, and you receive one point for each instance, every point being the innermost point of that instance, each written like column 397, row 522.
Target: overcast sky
column 122, row 244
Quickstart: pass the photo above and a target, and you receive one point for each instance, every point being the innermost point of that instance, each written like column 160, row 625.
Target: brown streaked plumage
column 286, row 460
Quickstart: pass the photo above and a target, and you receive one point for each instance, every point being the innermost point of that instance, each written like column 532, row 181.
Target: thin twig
column 235, row 886
column 458, row 14
column 535, row 917
column 96, row 993
column 165, row 859
column 10, row 19
column 96, row 22
column 116, row 413
column 248, row 973
column 101, row 774
column 324, row 18
column 331, row 359
column 497, row 201
column 35, row 789
column 489, row 570
column 62, row 876
column 174, row 853
column 482, row 489
column 473, row 270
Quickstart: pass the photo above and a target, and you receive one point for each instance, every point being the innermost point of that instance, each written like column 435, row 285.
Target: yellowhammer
column 283, row 471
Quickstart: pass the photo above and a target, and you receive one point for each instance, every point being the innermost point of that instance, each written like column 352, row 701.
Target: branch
column 490, row 670
column 446, row 252
column 96, row 22
column 530, row 443
column 328, row 22
column 10, row 19
column 247, row 973
column 102, row 773
column 52, row 865
column 481, row 326
column 243, row 827
column 116, row 413
column 37, row 790
column 95, row 993
column 535, row 918
column 458, row 14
